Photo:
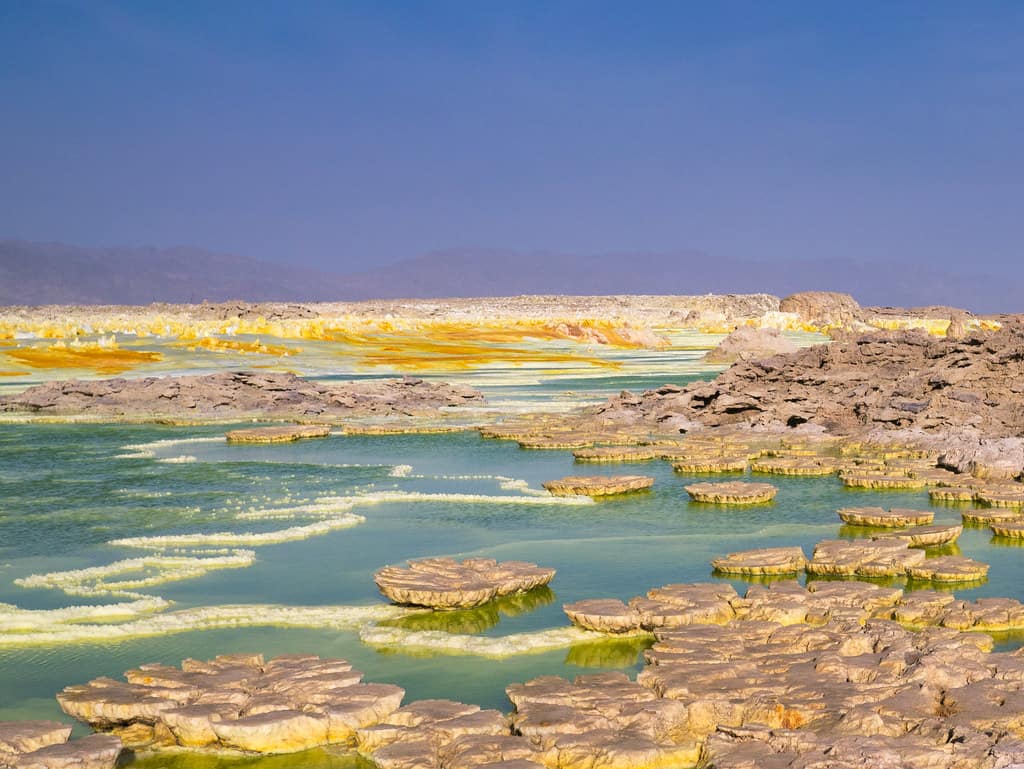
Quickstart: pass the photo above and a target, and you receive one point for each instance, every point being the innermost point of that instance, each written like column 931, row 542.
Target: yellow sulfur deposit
column 103, row 356
column 214, row 344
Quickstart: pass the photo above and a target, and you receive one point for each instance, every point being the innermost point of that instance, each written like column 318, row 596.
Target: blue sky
column 348, row 134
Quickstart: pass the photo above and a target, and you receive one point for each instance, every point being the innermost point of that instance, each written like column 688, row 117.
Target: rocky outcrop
column 444, row 583
column 239, row 394
column 748, row 343
column 823, row 308
column 962, row 397
column 597, row 485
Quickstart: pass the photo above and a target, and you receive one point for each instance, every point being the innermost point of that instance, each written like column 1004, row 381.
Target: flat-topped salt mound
column 991, row 515
column 951, row 494
column 411, row 736
column 949, row 568
column 732, row 492
column 239, row 702
column 1001, row 496
column 444, row 583
column 1013, row 530
column 277, row 433
column 864, row 558
column 711, row 465
column 45, row 745
column 876, row 516
column 19, row 737
column 881, row 481
column 668, row 606
column 597, row 485
column 798, row 466
column 935, row 535
column 567, row 442
column 615, row 454
column 765, row 561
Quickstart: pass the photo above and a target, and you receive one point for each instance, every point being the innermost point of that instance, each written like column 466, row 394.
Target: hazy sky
column 347, row 134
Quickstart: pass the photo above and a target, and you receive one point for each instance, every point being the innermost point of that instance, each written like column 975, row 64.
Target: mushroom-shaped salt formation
column 763, row 562
column 615, row 454
column 929, row 536
column 277, row 434
column 597, row 485
column 732, row 493
column 991, row 515
column 876, row 516
column 951, row 494
column 444, row 583
column 711, row 465
column 1012, row 530
column 949, row 568
column 799, row 466
column 880, row 481
column 885, row 557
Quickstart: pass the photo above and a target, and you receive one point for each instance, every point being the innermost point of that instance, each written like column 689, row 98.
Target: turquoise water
column 67, row 490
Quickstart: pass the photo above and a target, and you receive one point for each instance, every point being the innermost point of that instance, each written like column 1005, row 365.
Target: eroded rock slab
column 732, row 493
column 444, row 583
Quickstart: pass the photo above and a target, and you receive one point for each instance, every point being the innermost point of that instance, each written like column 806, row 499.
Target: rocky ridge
column 239, row 394
column 963, row 397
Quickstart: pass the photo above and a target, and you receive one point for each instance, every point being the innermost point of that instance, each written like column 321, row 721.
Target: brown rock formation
column 238, row 394
column 748, row 343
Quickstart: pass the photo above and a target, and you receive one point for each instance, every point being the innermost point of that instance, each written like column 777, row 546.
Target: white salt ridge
column 330, row 505
column 400, row 471
column 494, row 647
column 181, row 460
column 169, row 442
column 16, row 620
column 202, row 618
column 247, row 539
column 523, row 487
column 156, row 569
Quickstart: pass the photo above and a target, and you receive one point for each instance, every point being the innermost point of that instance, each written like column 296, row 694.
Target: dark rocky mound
column 891, row 380
column 241, row 394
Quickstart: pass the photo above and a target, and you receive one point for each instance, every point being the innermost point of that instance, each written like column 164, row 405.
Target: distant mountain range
column 54, row 273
